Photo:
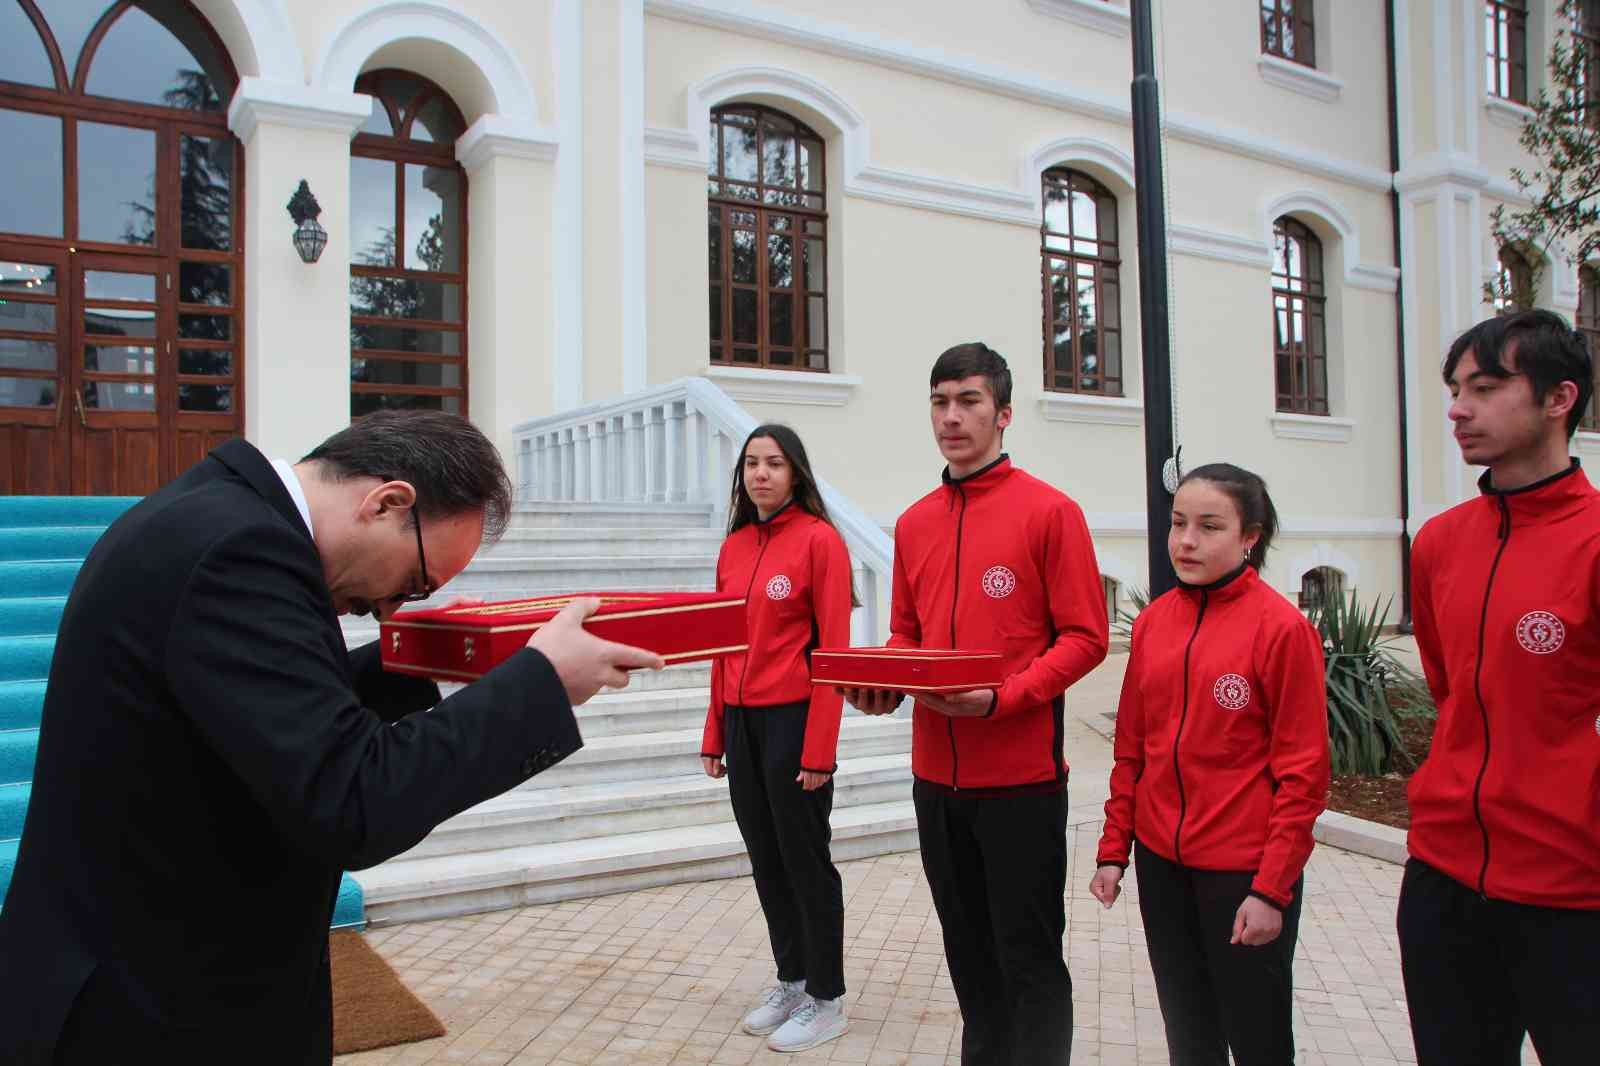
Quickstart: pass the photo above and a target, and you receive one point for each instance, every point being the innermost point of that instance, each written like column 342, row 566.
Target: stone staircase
column 632, row 809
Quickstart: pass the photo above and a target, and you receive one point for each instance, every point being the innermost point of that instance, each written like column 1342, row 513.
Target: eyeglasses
column 422, row 562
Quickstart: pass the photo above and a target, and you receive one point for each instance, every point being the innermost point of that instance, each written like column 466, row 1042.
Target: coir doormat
column 371, row 1007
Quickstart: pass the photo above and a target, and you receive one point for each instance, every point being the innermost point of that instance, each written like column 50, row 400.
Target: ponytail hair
column 1250, row 498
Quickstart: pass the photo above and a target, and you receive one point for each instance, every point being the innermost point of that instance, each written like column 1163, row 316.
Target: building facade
column 534, row 205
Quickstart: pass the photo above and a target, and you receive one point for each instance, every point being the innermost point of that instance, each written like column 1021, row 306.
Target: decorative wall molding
column 1223, row 247
column 674, row 148
column 1103, row 15
column 807, row 389
column 1325, row 554
column 267, row 47
column 1113, row 162
column 1091, row 410
column 566, row 227
column 849, row 43
column 1312, row 427
column 1332, row 216
column 296, row 105
column 387, row 21
column 634, row 232
column 1507, row 114
column 496, row 137
column 1299, row 78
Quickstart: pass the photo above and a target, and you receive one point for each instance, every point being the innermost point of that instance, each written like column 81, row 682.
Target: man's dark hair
column 1545, row 347
column 974, row 357
column 444, row 457
column 1249, row 495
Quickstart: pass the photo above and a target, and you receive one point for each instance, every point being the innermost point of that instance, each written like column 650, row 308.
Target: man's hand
column 811, row 780
column 1106, row 885
column 713, row 767
column 463, row 601
column 1257, row 922
column 582, row 660
column 872, row 700
column 974, row 704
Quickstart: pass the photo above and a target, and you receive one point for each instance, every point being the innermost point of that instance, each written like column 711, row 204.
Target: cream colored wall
column 907, row 281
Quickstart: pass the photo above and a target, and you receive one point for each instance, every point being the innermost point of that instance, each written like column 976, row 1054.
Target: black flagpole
column 1157, row 354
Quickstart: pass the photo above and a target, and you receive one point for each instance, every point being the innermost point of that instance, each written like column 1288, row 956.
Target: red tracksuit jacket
column 1222, row 735
column 1506, row 601
column 795, row 574
column 999, row 561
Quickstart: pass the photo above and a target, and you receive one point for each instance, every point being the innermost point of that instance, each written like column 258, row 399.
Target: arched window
column 767, row 241
column 1288, row 30
column 1321, row 586
column 121, row 191
column 1589, row 326
column 408, row 250
column 1505, row 28
column 1082, row 290
column 1299, row 319
column 1513, row 281
column 1586, row 36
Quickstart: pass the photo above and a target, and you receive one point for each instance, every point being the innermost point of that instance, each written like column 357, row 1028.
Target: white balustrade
column 676, row 443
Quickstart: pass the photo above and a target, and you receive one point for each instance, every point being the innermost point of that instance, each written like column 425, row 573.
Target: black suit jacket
column 210, row 759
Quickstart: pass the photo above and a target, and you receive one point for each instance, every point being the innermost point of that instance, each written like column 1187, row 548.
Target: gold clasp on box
column 468, row 648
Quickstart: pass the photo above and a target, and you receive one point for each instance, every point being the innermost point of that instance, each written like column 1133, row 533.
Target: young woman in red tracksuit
column 778, row 734
column 1221, row 770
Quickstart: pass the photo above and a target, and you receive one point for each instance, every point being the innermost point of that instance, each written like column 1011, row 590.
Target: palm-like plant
column 1365, row 683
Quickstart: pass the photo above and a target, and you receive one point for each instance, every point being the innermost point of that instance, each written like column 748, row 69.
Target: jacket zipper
column 955, row 598
column 765, row 536
column 1477, row 689
column 1183, row 717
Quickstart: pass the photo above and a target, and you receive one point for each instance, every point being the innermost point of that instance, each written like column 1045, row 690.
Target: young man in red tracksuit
column 996, row 560
column 779, row 733
column 1221, row 771
column 1499, row 914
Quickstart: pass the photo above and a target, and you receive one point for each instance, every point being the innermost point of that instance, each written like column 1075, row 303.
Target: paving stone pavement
column 664, row 975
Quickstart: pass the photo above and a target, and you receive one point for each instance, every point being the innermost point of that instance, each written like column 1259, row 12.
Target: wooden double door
column 110, row 382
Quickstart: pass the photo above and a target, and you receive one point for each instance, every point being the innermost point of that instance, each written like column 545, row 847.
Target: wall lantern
column 309, row 236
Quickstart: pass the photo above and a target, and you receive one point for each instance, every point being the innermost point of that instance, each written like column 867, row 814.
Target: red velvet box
column 464, row 643
column 907, row 669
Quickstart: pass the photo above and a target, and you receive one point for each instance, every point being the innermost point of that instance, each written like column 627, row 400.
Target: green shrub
column 1369, row 689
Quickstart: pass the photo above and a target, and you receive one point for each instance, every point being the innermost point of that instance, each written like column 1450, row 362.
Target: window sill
column 1099, row 15
column 1297, row 77
column 1091, row 410
column 1507, row 114
column 1312, row 427
column 802, row 387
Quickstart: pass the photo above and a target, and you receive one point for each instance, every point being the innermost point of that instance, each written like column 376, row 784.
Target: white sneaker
column 781, row 1002
column 816, row 1021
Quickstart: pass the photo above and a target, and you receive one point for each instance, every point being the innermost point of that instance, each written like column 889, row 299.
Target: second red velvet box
column 464, row 643
column 907, row 669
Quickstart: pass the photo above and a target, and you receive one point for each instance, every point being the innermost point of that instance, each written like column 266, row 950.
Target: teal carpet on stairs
column 43, row 542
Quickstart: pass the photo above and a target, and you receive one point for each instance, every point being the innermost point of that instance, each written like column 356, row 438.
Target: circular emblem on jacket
column 1541, row 632
column 779, row 588
column 1231, row 692
column 999, row 581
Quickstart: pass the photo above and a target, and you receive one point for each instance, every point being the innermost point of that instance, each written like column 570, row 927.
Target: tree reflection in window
column 408, row 263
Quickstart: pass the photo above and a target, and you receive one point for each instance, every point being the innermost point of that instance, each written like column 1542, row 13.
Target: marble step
column 570, row 514
column 410, row 890
column 651, row 756
column 519, row 818
column 645, row 711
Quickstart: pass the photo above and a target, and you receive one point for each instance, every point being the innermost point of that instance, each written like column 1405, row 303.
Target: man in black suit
column 210, row 757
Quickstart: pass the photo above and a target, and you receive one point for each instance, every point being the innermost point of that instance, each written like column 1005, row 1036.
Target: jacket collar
column 1230, row 586
column 979, row 481
column 245, row 460
column 1550, row 496
column 779, row 518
